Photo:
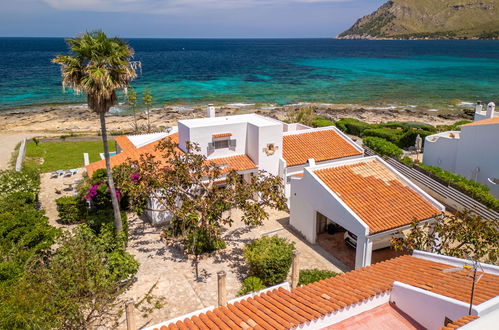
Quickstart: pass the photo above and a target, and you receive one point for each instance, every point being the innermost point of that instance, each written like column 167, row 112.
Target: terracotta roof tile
column 490, row 121
column 221, row 135
column 282, row 309
column 237, row 163
column 125, row 143
column 320, row 145
column 460, row 322
column 376, row 195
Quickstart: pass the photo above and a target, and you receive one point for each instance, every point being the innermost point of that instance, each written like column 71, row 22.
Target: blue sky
column 182, row 18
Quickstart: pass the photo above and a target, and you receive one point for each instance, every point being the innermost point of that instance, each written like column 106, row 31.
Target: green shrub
column 200, row 241
column 467, row 186
column 408, row 139
column 308, row 276
column 26, row 181
column 100, row 218
column 251, row 284
column 383, row 147
column 71, row 209
column 269, row 258
column 392, row 135
column 407, row 161
column 24, row 235
column 352, row 126
column 322, row 123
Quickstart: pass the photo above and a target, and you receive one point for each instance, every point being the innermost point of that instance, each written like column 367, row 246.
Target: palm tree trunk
column 112, row 190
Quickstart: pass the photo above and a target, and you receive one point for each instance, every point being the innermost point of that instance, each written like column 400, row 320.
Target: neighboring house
column 245, row 143
column 365, row 196
column 481, row 114
column 408, row 292
column 472, row 152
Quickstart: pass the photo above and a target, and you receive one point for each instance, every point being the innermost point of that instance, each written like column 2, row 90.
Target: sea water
column 425, row 73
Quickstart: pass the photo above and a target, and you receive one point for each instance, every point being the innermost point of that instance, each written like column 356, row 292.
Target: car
column 378, row 243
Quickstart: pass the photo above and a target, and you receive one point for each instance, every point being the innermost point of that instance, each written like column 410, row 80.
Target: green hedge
column 269, row 258
column 251, row 284
column 352, row 126
column 471, row 188
column 389, row 134
column 383, row 147
column 322, row 123
column 71, row 209
column 308, row 276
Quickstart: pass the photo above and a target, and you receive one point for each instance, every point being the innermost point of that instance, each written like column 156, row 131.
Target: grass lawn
column 52, row 156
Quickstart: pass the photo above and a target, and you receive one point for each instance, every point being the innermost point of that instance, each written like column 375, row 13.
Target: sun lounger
column 56, row 174
column 68, row 173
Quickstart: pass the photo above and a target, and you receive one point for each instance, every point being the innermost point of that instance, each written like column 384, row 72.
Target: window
column 221, row 144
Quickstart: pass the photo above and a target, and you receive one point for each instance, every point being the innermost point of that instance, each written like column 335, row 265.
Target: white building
column 422, row 291
column 365, row 196
column 245, row 143
column 472, row 153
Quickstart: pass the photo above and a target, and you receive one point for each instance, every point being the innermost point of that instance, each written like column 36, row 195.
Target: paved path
column 8, row 143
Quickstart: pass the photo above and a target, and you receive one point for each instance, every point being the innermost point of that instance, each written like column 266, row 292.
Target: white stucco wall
column 309, row 196
column 427, row 308
column 476, row 147
column 440, row 150
column 479, row 147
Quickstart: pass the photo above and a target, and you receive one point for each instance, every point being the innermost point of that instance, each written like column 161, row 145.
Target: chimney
column 211, row 111
column 490, row 110
column 479, row 107
column 311, row 162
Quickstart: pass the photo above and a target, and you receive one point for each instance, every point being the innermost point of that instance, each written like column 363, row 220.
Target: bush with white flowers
column 19, row 182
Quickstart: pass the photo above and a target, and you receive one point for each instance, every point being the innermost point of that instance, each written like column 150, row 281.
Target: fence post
column 130, row 315
column 222, row 289
column 295, row 270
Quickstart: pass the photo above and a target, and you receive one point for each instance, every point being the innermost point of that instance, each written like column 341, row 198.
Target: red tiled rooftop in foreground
column 237, row 163
column 320, row 145
column 283, row 309
column 377, row 195
column 460, row 323
column 384, row 317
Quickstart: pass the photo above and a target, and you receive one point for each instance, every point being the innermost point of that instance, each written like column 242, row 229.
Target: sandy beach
column 65, row 119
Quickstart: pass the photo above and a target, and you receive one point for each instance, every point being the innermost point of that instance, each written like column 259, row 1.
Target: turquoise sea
column 423, row 74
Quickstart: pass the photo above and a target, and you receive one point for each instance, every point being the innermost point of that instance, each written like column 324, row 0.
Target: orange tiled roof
column 376, row 195
column 221, row 135
column 459, row 323
column 282, row 309
column 490, row 121
column 237, row 163
column 125, row 143
column 321, row 145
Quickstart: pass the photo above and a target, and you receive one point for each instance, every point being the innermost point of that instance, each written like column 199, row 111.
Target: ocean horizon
column 425, row 74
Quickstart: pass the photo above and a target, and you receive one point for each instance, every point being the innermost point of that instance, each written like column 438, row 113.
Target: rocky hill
column 429, row 19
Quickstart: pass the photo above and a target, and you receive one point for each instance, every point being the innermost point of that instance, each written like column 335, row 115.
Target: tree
column 185, row 184
column 463, row 235
column 132, row 101
column 147, row 99
column 77, row 286
column 305, row 116
column 99, row 66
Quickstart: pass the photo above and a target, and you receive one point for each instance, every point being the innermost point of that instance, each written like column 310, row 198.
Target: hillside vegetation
column 432, row 19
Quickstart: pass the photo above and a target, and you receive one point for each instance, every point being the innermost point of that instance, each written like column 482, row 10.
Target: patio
column 175, row 274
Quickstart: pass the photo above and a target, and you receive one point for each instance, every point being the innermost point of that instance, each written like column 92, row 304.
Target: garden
column 63, row 155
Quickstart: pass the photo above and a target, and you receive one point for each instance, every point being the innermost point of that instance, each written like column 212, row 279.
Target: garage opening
column 341, row 244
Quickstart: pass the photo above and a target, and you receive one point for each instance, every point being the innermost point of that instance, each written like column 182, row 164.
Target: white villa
column 244, row 143
column 365, row 196
column 472, row 152
column 419, row 291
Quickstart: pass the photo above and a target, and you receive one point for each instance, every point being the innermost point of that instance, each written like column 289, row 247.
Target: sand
column 78, row 119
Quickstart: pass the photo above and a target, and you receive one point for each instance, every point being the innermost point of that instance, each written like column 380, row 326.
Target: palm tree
column 99, row 66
